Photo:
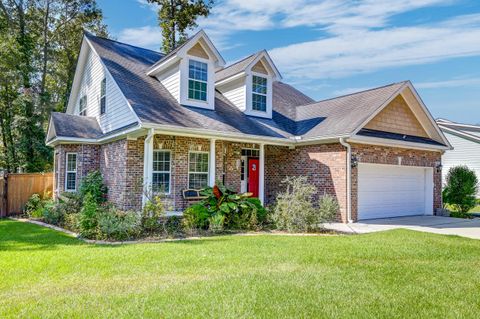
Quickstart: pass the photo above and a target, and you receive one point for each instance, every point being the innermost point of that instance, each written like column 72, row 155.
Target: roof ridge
column 239, row 61
column 354, row 93
column 89, row 34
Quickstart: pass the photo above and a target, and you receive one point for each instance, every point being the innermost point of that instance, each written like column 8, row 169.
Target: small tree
column 461, row 188
column 177, row 16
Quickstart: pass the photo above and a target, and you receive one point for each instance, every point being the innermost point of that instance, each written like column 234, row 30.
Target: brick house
column 185, row 120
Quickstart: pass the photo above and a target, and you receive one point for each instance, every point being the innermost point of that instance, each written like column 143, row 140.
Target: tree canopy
column 39, row 45
column 176, row 17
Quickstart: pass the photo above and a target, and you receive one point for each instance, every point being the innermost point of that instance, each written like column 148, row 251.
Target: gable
column 198, row 51
column 259, row 67
column 397, row 117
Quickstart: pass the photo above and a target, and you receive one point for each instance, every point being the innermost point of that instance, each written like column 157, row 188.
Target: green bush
column 93, row 184
column 119, row 225
column 89, row 217
column 461, row 189
column 294, row 209
column 224, row 209
column 152, row 215
column 195, row 217
column 33, row 207
column 51, row 214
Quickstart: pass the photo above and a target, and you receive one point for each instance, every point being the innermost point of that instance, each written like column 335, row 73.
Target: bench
column 192, row 194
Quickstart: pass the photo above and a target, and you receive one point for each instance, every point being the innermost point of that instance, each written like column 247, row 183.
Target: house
column 186, row 120
column 465, row 140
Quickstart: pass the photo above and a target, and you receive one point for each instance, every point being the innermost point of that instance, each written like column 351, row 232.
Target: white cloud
column 146, row 4
column 145, row 37
column 459, row 82
column 370, row 50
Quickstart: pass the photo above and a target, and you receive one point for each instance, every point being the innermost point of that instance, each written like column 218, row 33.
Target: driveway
column 432, row 224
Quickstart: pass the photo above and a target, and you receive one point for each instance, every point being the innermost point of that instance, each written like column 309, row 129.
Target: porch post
column 211, row 164
column 147, row 165
column 261, row 175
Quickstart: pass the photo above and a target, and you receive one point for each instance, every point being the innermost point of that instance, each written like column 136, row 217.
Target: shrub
column 93, row 184
column 70, row 203
column 89, row 217
column 33, row 207
column 119, row 225
column 51, row 214
column 461, row 188
column 72, row 222
column 294, row 209
column 152, row 215
column 216, row 222
column 195, row 217
column 328, row 208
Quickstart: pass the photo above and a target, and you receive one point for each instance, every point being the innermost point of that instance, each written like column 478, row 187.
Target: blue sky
column 333, row 47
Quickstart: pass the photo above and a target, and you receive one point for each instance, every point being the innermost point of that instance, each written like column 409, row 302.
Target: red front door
column 253, row 169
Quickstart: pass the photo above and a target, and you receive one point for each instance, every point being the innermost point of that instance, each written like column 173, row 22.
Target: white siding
column 236, row 93
column 465, row 152
column 118, row 113
column 170, row 79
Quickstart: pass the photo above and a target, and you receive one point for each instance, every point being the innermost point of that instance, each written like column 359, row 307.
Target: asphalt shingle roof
column 67, row 125
column 294, row 113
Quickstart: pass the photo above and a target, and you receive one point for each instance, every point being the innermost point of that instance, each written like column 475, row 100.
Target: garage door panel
column 390, row 191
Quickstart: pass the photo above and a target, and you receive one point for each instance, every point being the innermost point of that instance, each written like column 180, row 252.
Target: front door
column 253, row 168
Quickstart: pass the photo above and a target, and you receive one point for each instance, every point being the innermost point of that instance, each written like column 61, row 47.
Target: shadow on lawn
column 18, row 236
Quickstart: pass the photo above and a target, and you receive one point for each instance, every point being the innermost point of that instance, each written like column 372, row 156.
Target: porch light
column 438, row 166
column 354, row 161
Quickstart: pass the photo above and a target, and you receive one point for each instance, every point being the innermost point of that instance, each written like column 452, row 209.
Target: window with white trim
column 161, row 171
column 259, row 93
column 103, row 96
column 71, row 172
column 82, row 107
column 197, row 170
column 197, row 80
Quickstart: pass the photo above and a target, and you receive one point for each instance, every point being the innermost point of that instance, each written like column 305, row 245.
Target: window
column 197, row 170
column 161, row 171
column 103, row 96
column 259, row 93
column 71, row 172
column 197, row 80
column 82, row 108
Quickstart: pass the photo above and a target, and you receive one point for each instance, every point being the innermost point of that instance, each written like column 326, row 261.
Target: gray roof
column 235, row 68
column 67, row 125
column 294, row 113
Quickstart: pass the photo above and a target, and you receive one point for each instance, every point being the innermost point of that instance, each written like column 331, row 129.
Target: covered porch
column 173, row 164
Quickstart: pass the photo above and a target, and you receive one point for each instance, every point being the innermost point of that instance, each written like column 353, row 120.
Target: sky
column 328, row 48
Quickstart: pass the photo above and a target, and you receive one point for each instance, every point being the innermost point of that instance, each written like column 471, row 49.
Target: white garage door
column 393, row 191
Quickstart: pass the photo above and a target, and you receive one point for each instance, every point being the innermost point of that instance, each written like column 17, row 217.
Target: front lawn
column 395, row 274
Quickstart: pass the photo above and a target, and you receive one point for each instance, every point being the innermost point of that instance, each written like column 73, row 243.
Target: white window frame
column 163, row 172
column 103, row 96
column 261, row 94
column 67, row 171
column 84, row 110
column 208, row 167
column 189, row 78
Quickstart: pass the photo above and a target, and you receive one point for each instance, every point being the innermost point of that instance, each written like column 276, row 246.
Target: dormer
column 188, row 72
column 248, row 84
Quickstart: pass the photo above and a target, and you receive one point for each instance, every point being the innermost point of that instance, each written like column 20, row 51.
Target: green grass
column 395, row 274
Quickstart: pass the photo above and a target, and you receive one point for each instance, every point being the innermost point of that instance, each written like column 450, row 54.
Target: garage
column 393, row 191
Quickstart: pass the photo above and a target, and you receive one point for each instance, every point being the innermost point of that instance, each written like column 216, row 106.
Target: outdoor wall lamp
column 438, row 166
column 354, row 161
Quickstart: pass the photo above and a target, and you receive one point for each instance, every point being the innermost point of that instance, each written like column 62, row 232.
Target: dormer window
column 197, row 80
column 82, row 107
column 259, row 93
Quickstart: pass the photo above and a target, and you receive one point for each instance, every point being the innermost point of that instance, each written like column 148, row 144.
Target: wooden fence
column 16, row 189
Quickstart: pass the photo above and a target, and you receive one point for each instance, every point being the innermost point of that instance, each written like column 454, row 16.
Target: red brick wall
column 323, row 164
column 87, row 161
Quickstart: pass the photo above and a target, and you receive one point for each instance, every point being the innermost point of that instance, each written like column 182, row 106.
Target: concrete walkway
column 432, row 224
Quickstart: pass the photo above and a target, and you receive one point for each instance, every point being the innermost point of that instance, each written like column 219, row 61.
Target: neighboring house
column 185, row 120
column 465, row 140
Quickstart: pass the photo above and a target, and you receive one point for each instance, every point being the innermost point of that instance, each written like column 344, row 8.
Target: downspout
column 147, row 162
column 349, row 179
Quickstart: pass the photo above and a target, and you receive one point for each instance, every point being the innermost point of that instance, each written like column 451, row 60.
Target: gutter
column 349, row 179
